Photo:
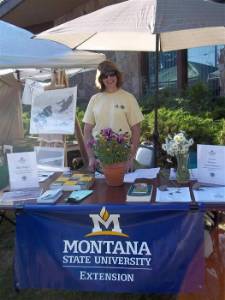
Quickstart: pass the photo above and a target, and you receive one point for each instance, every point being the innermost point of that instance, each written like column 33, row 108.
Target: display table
column 175, row 230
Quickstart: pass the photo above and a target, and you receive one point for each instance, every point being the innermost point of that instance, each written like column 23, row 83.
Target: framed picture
column 50, row 158
column 53, row 112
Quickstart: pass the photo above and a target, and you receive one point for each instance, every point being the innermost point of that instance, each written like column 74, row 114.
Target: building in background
column 191, row 65
column 203, row 65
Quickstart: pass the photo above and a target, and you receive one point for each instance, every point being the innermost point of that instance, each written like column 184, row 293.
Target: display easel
column 59, row 80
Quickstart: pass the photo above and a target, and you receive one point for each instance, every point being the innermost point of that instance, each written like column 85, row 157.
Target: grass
column 7, row 291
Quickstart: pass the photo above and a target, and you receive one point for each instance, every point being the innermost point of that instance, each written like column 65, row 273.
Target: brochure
column 76, row 182
column 211, row 164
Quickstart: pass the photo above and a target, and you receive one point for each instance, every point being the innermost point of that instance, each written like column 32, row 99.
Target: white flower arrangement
column 178, row 144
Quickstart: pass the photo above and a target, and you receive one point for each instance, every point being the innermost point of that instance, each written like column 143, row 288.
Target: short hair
column 104, row 67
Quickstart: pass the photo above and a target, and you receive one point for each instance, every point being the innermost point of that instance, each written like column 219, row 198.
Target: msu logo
column 104, row 221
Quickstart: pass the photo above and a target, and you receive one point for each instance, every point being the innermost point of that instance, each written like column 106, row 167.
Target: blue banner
column 115, row 248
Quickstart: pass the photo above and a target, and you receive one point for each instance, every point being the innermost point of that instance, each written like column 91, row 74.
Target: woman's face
column 110, row 81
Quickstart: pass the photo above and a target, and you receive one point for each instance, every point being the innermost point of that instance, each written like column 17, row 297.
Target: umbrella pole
column 156, row 100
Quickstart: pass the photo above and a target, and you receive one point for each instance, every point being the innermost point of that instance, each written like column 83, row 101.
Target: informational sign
column 23, row 172
column 53, row 112
column 115, row 248
column 211, row 164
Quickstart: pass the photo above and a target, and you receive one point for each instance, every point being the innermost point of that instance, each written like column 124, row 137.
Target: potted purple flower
column 112, row 149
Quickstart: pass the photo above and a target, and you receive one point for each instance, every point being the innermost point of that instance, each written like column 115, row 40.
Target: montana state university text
column 109, row 255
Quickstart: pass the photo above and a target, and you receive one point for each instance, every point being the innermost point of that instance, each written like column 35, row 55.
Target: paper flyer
column 211, row 164
column 23, row 171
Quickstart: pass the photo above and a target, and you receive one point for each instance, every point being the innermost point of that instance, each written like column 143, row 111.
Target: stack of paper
column 19, row 197
column 210, row 194
column 173, row 194
column 141, row 173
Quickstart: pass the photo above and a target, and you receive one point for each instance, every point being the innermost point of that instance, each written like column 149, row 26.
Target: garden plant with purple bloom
column 111, row 147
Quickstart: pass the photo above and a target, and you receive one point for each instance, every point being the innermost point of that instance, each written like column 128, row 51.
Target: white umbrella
column 133, row 25
column 18, row 50
column 145, row 25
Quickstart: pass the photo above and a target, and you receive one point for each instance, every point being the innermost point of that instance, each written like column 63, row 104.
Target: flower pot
column 114, row 173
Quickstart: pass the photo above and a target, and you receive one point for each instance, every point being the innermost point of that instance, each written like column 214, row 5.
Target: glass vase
column 182, row 174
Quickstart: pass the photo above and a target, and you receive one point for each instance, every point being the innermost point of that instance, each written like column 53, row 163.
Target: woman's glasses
column 108, row 74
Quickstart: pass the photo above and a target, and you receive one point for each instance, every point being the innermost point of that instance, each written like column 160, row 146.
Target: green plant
column 111, row 147
column 203, row 130
column 197, row 100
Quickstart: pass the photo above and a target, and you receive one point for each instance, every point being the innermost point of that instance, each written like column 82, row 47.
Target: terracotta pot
column 114, row 173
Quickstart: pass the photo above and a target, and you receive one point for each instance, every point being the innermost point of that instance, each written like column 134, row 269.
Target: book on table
column 50, row 196
column 139, row 192
column 78, row 196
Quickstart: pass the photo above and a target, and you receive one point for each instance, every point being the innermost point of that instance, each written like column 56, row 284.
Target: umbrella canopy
column 18, row 50
column 145, row 25
column 43, row 74
column 132, row 26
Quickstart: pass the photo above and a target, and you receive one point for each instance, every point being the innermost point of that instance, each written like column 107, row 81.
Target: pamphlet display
column 211, row 164
column 23, row 173
column 76, row 182
column 53, row 112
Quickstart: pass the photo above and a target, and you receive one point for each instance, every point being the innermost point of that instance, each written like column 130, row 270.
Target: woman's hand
column 130, row 165
column 93, row 163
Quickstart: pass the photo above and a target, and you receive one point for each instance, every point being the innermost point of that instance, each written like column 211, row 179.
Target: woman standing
column 112, row 108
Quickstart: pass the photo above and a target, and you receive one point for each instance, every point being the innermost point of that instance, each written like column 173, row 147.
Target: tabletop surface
column 105, row 194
